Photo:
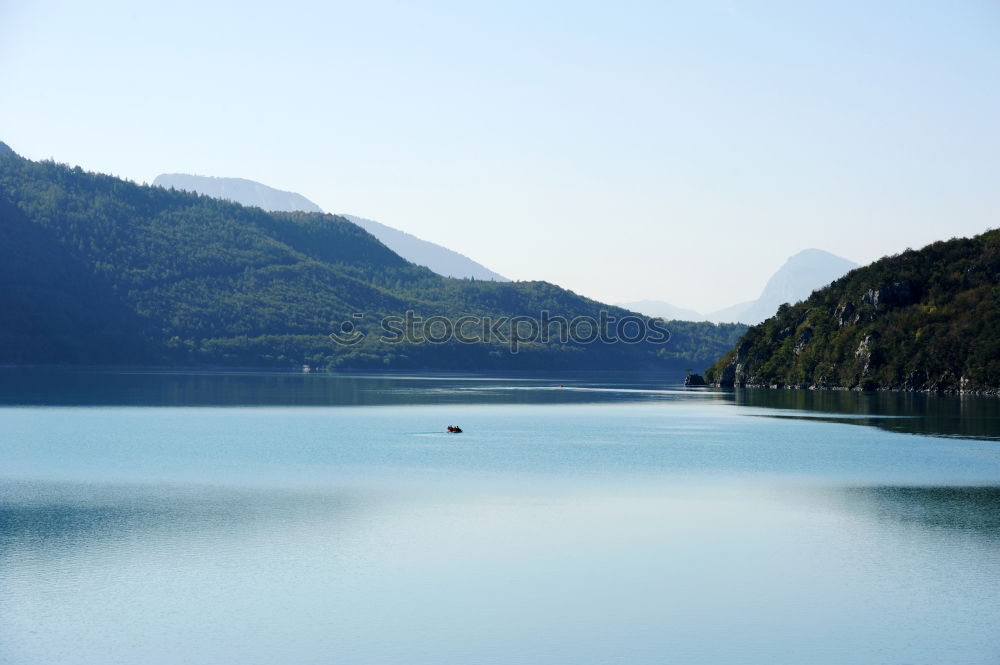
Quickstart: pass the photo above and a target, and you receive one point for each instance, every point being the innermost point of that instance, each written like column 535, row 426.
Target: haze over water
column 158, row 518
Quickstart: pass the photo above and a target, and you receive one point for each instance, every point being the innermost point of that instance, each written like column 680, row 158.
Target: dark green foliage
column 921, row 320
column 94, row 269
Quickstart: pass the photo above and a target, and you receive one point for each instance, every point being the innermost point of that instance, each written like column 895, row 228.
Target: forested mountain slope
column 925, row 319
column 95, row 269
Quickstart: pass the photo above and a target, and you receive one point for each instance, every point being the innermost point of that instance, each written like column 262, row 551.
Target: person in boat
column 454, row 429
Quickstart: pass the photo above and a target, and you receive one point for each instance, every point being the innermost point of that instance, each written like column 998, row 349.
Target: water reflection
column 911, row 413
column 970, row 510
column 58, row 517
column 926, row 414
column 94, row 387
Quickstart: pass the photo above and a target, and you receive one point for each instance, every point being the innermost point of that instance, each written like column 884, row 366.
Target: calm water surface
column 280, row 518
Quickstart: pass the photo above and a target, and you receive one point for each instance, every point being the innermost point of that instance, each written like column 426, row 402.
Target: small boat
column 454, row 429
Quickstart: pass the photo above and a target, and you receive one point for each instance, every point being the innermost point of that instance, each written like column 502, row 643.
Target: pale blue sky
column 676, row 151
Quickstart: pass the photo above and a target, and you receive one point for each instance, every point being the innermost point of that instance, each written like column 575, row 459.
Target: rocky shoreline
column 935, row 390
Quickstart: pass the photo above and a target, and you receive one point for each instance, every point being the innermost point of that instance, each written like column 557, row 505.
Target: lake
column 241, row 517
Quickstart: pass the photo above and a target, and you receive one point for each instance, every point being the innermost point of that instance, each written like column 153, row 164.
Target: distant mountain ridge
column 923, row 320
column 441, row 260
column 663, row 310
column 732, row 313
column 798, row 277
column 238, row 190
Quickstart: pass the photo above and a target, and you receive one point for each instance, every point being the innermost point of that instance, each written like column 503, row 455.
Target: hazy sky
column 676, row 151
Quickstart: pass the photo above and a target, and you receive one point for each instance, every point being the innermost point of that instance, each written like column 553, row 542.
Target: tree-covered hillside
column 95, row 269
column 921, row 320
